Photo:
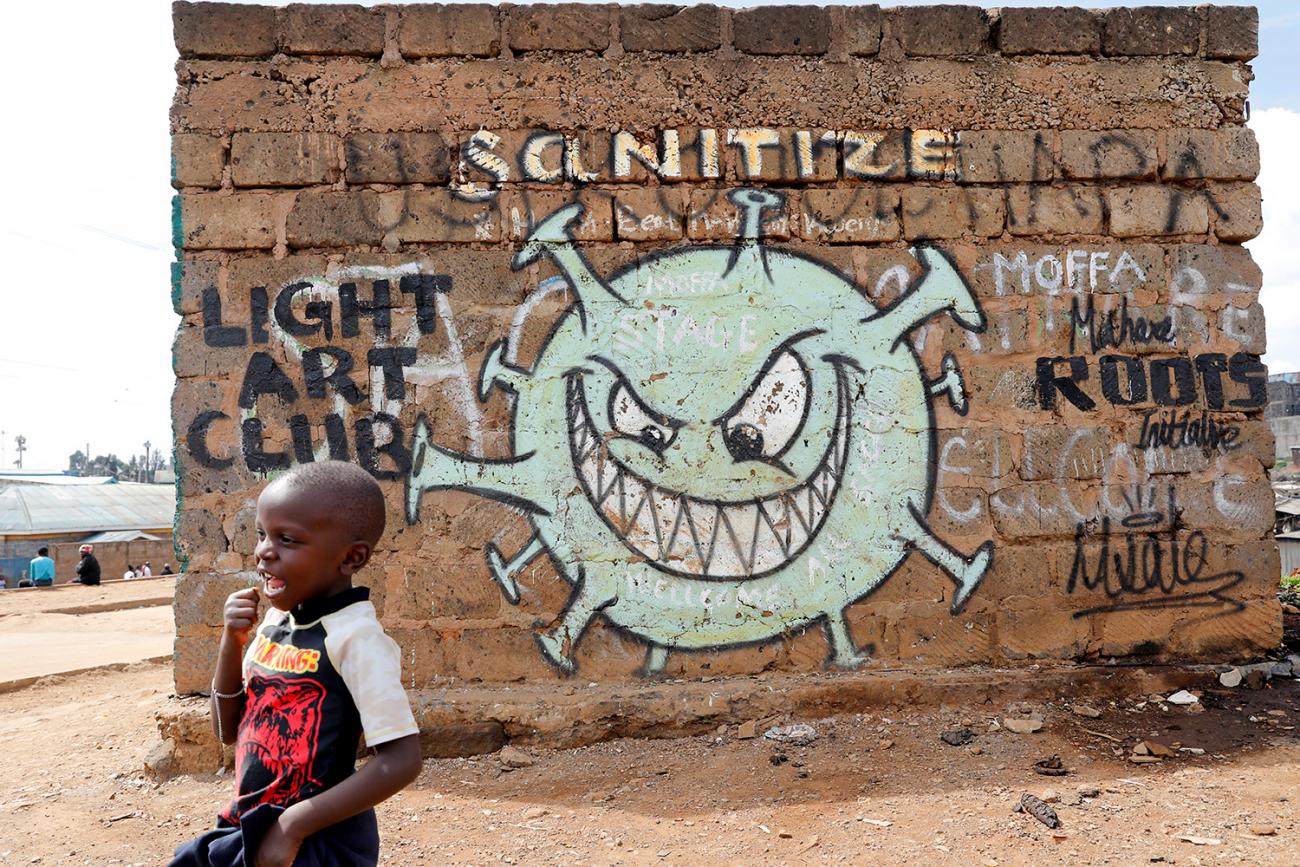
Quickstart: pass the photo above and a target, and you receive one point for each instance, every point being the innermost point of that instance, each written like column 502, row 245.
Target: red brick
column 1234, row 635
column 1157, row 210
column 223, row 30
column 1231, row 32
column 1151, row 30
column 874, row 154
column 230, row 221
column 943, row 30
column 1043, row 210
column 432, row 216
column 1229, row 154
column 1031, row 627
column 714, row 217
column 849, row 216
column 783, row 155
column 653, row 27
column 781, row 30
column 559, row 27
column 1224, row 268
column 653, row 214
column 1055, row 451
column 198, row 160
column 952, row 212
column 332, row 29
column 1238, row 211
column 193, row 658
column 334, row 218
column 1120, row 153
column 1054, row 30
column 270, row 159
column 995, row 156
column 525, row 208
column 859, row 29
column 236, row 99
column 449, row 30
column 396, row 158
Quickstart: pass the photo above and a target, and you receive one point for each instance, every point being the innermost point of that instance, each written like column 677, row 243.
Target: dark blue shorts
column 353, row 842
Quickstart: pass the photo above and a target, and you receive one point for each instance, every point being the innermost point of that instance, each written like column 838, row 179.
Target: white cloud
column 1278, row 129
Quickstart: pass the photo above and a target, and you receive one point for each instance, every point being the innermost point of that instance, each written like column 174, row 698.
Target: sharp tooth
column 589, row 474
column 641, row 531
column 801, row 520
column 633, row 494
column 779, row 520
column 740, row 525
column 679, row 548
column 798, row 529
column 665, row 508
column 825, row 486
column 771, row 541
column 703, row 518
column 608, row 473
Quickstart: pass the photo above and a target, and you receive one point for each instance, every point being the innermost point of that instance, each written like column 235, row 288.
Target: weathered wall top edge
column 395, row 33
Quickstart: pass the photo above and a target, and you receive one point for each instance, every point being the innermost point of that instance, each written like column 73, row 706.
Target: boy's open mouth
column 272, row 585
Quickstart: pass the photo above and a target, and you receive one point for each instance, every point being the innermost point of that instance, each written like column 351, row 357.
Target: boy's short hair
column 353, row 492
column 41, row 552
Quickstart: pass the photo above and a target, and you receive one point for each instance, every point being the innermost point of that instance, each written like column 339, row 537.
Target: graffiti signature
column 1148, row 557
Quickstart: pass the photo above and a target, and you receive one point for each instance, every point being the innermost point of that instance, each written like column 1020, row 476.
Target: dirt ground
column 68, row 627
column 872, row 788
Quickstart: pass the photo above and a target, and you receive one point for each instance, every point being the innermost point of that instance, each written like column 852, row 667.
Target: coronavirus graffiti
column 719, row 444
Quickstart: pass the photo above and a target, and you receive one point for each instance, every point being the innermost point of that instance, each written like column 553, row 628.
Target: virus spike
column 941, row 288
column 752, row 203
column 551, row 237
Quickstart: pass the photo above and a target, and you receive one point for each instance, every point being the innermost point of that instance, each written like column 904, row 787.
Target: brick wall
column 695, row 341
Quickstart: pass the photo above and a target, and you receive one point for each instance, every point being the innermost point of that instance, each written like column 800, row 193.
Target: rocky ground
column 1216, row 785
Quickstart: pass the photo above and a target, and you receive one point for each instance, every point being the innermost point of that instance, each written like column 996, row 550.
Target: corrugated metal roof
column 29, row 509
column 13, row 478
column 122, row 536
column 1288, row 507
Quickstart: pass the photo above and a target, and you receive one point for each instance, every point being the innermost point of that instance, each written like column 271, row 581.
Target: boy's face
column 303, row 550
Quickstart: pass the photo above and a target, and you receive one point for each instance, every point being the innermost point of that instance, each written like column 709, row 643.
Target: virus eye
column 767, row 421
column 631, row 419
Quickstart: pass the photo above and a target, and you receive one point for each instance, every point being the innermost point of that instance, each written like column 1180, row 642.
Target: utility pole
column 148, row 476
column 21, row 442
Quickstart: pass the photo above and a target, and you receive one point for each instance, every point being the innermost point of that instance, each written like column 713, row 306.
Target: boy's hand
column 241, row 612
column 278, row 848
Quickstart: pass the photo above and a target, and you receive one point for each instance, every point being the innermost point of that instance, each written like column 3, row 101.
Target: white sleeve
column 371, row 665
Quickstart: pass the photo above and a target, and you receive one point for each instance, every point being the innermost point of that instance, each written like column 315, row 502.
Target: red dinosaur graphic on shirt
column 279, row 732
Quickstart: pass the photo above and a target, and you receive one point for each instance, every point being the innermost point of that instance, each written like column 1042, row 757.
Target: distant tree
column 106, row 465
column 77, row 463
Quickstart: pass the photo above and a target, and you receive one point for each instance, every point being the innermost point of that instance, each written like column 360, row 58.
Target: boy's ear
column 355, row 558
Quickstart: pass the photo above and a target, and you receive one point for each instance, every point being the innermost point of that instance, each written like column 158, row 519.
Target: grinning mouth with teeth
column 699, row 538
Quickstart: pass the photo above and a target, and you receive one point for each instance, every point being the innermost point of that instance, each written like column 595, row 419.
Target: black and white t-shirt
column 316, row 680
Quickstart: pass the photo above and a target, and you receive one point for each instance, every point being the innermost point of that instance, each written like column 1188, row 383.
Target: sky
column 85, row 317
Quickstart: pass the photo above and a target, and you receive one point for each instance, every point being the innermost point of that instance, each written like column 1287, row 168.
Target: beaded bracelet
column 221, row 735
column 216, row 694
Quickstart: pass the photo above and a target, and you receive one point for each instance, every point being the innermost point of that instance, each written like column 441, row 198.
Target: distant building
column 1283, row 395
column 126, row 521
column 1283, row 413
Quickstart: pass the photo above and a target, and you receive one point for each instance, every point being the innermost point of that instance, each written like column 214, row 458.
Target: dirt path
column 72, row 628
column 71, row 791
column 39, row 644
column 111, row 595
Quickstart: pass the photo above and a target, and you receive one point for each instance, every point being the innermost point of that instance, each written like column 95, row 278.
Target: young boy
column 319, row 673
